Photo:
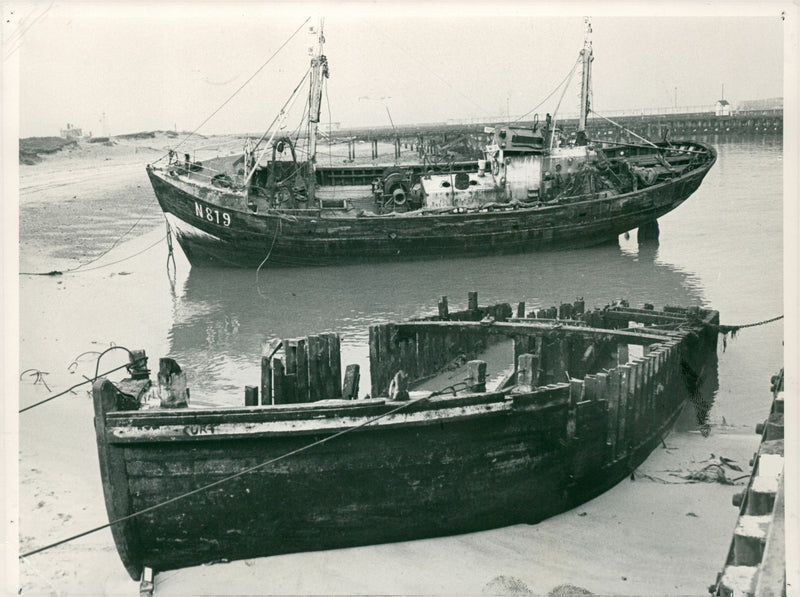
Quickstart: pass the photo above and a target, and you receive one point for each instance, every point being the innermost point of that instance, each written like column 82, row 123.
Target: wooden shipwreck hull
column 572, row 415
column 214, row 229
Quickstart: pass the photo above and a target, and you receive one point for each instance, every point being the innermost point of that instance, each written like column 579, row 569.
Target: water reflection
column 222, row 316
column 701, row 387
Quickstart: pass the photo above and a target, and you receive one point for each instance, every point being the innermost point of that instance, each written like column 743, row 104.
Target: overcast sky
column 162, row 66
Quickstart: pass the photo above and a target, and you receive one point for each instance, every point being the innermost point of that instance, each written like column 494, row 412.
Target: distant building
column 71, row 132
column 773, row 103
column 723, row 108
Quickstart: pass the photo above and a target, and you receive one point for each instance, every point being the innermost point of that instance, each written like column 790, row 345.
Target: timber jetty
column 756, row 563
column 695, row 123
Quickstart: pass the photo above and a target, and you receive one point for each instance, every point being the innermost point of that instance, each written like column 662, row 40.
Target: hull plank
column 189, row 486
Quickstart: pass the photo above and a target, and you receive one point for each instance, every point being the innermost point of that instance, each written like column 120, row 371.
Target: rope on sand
column 451, row 388
column 97, row 375
column 81, row 268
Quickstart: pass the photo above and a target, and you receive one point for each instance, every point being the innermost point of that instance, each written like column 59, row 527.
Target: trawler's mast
column 586, row 60
column 319, row 71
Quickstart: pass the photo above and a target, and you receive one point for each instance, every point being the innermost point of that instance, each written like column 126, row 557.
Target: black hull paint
column 291, row 240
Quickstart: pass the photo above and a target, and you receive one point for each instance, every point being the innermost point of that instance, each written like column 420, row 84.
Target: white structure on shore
column 71, row 132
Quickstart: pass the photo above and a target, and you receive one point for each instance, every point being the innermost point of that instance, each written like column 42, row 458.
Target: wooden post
column 644, row 399
column 290, row 375
column 649, row 389
column 423, row 368
column 638, row 399
column 590, row 387
column 278, row 394
column 576, row 389
column 398, row 389
column 301, row 383
column 352, row 376
column 472, row 301
column 565, row 311
column 413, row 356
column 444, row 314
column 171, row 382
column 562, row 360
column 266, row 381
column 522, row 345
column 525, row 373
column 250, row 396
column 630, row 415
column 622, row 354
column 334, row 366
column 658, row 385
column 389, row 351
column 549, row 362
column 612, row 410
column 374, row 360
column 314, row 352
column 476, row 376
column 324, row 368
column 536, row 368
column 622, row 443
column 521, row 309
column 577, row 392
column 605, row 394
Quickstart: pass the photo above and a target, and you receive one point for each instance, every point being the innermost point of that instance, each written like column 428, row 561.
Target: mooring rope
column 732, row 329
column 82, row 266
column 85, row 381
column 80, row 269
column 278, row 229
column 451, row 388
column 171, row 274
column 38, row 376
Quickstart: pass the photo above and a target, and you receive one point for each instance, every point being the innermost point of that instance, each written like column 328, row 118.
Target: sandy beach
column 657, row 533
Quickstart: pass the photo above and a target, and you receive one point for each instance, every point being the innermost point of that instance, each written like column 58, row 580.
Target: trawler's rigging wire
column 549, row 95
column 242, row 86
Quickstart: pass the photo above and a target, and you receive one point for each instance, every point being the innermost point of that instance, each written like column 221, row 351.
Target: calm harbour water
column 721, row 249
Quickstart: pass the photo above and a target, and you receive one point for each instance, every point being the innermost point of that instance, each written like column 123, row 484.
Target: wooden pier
column 756, row 563
column 468, row 138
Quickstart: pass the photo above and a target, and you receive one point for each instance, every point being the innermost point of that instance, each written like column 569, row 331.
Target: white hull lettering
column 214, row 216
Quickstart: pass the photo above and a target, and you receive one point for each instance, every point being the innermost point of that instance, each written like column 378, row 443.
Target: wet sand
column 656, row 535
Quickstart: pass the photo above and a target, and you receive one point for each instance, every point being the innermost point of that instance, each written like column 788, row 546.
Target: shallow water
column 721, row 249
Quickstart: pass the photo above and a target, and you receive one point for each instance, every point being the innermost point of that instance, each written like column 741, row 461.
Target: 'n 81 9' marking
column 214, row 216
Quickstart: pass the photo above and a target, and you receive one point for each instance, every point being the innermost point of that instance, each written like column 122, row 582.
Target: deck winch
column 394, row 190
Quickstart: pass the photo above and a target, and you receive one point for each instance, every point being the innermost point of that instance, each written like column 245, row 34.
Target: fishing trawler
column 574, row 402
column 533, row 187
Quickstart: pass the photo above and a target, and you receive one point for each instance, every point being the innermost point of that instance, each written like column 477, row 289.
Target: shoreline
column 669, row 537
